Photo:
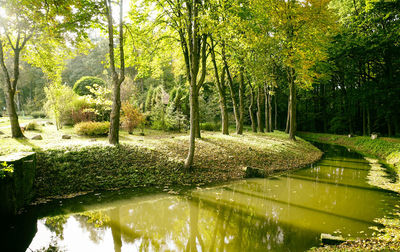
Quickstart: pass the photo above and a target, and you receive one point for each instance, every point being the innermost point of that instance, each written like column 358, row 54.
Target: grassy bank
column 67, row 167
column 387, row 149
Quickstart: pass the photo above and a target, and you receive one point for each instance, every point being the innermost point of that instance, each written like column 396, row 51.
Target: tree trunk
column 193, row 106
column 389, row 127
column 271, row 129
column 197, row 118
column 233, row 97
column 276, row 111
column 11, row 87
column 16, row 131
column 113, row 135
column 364, row 120
column 241, row 102
column 292, row 99
column 266, row 108
column 220, row 83
column 288, row 116
column 368, row 121
column 251, row 110
column 259, row 109
column 224, row 117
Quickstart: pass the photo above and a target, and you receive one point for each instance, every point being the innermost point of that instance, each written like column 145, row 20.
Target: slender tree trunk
column 241, row 102
column 276, row 111
column 288, row 116
column 193, row 106
column 113, row 135
column 271, row 128
column 220, row 83
column 197, row 118
column 389, row 127
column 266, row 108
column 293, row 126
column 364, row 120
column 251, row 110
column 233, row 97
column 368, row 121
column 224, row 117
column 259, row 109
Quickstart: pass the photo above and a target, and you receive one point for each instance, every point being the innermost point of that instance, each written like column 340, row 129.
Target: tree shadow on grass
column 27, row 142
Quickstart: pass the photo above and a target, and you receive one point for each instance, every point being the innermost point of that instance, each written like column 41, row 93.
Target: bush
column 131, row 117
column 32, row 126
column 59, row 103
column 38, row 114
column 210, row 126
column 83, row 115
column 92, row 128
column 81, row 85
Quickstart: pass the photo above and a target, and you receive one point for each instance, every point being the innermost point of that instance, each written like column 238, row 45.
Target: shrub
column 83, row 115
column 131, row 117
column 6, row 170
column 81, row 86
column 100, row 102
column 210, row 126
column 92, row 128
column 32, row 126
column 59, row 103
column 38, row 114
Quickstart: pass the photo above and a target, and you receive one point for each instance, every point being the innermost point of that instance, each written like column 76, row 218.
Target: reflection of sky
column 77, row 239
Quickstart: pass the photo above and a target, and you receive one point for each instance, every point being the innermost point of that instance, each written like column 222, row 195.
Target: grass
column 81, row 164
column 387, row 149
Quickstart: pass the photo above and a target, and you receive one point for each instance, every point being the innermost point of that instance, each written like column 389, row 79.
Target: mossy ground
column 387, row 149
column 81, row 164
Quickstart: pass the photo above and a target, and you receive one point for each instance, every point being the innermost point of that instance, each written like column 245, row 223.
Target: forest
column 191, row 93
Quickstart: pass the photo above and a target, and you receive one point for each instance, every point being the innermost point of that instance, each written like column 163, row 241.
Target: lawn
column 80, row 164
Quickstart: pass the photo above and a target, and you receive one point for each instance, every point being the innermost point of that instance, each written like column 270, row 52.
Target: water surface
column 280, row 213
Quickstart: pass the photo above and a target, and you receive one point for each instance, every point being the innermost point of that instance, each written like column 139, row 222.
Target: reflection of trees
column 193, row 227
column 95, row 223
column 115, row 225
column 56, row 225
column 207, row 221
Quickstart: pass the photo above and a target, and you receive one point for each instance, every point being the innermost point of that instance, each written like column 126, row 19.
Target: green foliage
column 38, row 114
column 131, row 117
column 6, row 170
column 210, row 126
column 59, row 103
column 92, row 128
column 100, row 102
column 83, row 85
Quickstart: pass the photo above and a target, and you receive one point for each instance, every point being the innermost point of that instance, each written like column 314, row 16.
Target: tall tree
column 117, row 78
column 27, row 23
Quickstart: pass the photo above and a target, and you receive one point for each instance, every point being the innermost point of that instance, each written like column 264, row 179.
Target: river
column 286, row 212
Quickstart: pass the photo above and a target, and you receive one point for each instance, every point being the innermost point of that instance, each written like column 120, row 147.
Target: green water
column 281, row 213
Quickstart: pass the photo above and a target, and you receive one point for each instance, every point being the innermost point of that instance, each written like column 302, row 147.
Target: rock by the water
column 66, row 137
column 251, row 172
column 1, row 133
column 328, row 239
column 37, row 137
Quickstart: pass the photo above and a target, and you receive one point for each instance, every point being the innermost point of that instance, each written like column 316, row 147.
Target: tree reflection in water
column 191, row 223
